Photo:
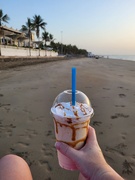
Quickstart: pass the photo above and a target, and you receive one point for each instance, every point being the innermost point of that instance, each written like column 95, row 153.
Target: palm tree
column 51, row 38
column 3, row 18
column 27, row 29
column 45, row 37
column 38, row 23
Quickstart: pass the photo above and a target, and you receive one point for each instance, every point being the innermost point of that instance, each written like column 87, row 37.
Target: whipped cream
column 65, row 109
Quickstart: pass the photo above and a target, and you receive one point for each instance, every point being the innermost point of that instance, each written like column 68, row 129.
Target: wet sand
column 26, row 126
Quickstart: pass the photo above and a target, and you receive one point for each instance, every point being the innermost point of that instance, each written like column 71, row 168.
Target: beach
column 26, row 126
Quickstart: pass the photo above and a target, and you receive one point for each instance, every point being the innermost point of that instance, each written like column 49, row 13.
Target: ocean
column 123, row 57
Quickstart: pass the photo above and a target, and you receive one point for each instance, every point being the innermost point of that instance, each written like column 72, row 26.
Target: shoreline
column 122, row 57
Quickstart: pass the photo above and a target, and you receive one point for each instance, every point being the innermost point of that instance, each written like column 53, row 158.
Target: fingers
column 92, row 138
column 73, row 153
column 67, row 150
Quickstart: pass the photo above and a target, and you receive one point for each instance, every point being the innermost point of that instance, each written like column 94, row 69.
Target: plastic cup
column 72, row 131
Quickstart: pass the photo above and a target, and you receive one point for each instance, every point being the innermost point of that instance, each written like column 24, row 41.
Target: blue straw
column 73, row 85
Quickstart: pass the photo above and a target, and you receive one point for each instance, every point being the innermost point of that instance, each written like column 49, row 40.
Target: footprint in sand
column 123, row 135
column 23, row 144
column 4, row 105
column 9, row 132
column 46, row 164
column 122, row 106
column 49, row 133
column 12, row 126
column 49, row 178
column 96, row 123
column 47, row 150
column 108, row 158
column 106, row 97
column 106, row 88
column 33, row 88
column 7, row 129
column 120, row 148
column 127, row 167
column 23, row 154
column 31, row 133
column 120, row 87
column 101, row 133
column 122, row 95
column 119, row 115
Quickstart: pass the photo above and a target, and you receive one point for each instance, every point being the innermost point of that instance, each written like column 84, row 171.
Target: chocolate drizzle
column 74, row 130
column 80, row 110
column 60, row 105
column 75, row 113
column 83, row 109
column 69, row 120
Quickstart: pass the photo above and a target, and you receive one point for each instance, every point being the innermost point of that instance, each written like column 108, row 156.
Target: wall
column 18, row 51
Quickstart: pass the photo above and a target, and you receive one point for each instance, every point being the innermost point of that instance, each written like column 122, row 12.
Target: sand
column 26, row 126
column 14, row 61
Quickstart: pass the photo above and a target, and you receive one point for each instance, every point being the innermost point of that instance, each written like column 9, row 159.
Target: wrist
column 106, row 172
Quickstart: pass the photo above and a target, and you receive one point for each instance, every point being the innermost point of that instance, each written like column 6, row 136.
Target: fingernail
column 57, row 145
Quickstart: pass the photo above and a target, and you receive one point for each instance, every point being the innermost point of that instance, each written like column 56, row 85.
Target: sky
column 103, row 27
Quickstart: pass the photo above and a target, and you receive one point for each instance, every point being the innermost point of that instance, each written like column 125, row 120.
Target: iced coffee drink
column 71, row 122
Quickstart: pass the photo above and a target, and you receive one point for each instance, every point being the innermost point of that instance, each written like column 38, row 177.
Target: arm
column 89, row 160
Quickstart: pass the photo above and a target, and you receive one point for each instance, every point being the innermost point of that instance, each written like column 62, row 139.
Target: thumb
column 68, row 151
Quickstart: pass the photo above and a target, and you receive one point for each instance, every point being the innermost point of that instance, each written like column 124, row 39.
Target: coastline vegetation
column 34, row 25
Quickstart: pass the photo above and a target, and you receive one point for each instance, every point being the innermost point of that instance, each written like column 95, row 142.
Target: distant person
column 89, row 160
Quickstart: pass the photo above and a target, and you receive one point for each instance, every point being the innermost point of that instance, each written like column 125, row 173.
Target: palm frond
column 1, row 13
column 3, row 18
column 24, row 28
column 38, row 23
column 50, row 36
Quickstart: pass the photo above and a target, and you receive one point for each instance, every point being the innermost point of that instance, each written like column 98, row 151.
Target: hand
column 89, row 160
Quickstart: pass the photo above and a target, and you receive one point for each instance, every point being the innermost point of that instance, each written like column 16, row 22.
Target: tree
column 38, row 23
column 51, row 37
column 27, row 29
column 68, row 49
column 45, row 37
column 54, row 46
column 3, row 18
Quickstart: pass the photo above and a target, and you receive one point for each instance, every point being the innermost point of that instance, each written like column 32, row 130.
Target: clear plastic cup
column 72, row 131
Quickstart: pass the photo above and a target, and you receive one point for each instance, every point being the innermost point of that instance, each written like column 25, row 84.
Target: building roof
column 4, row 30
